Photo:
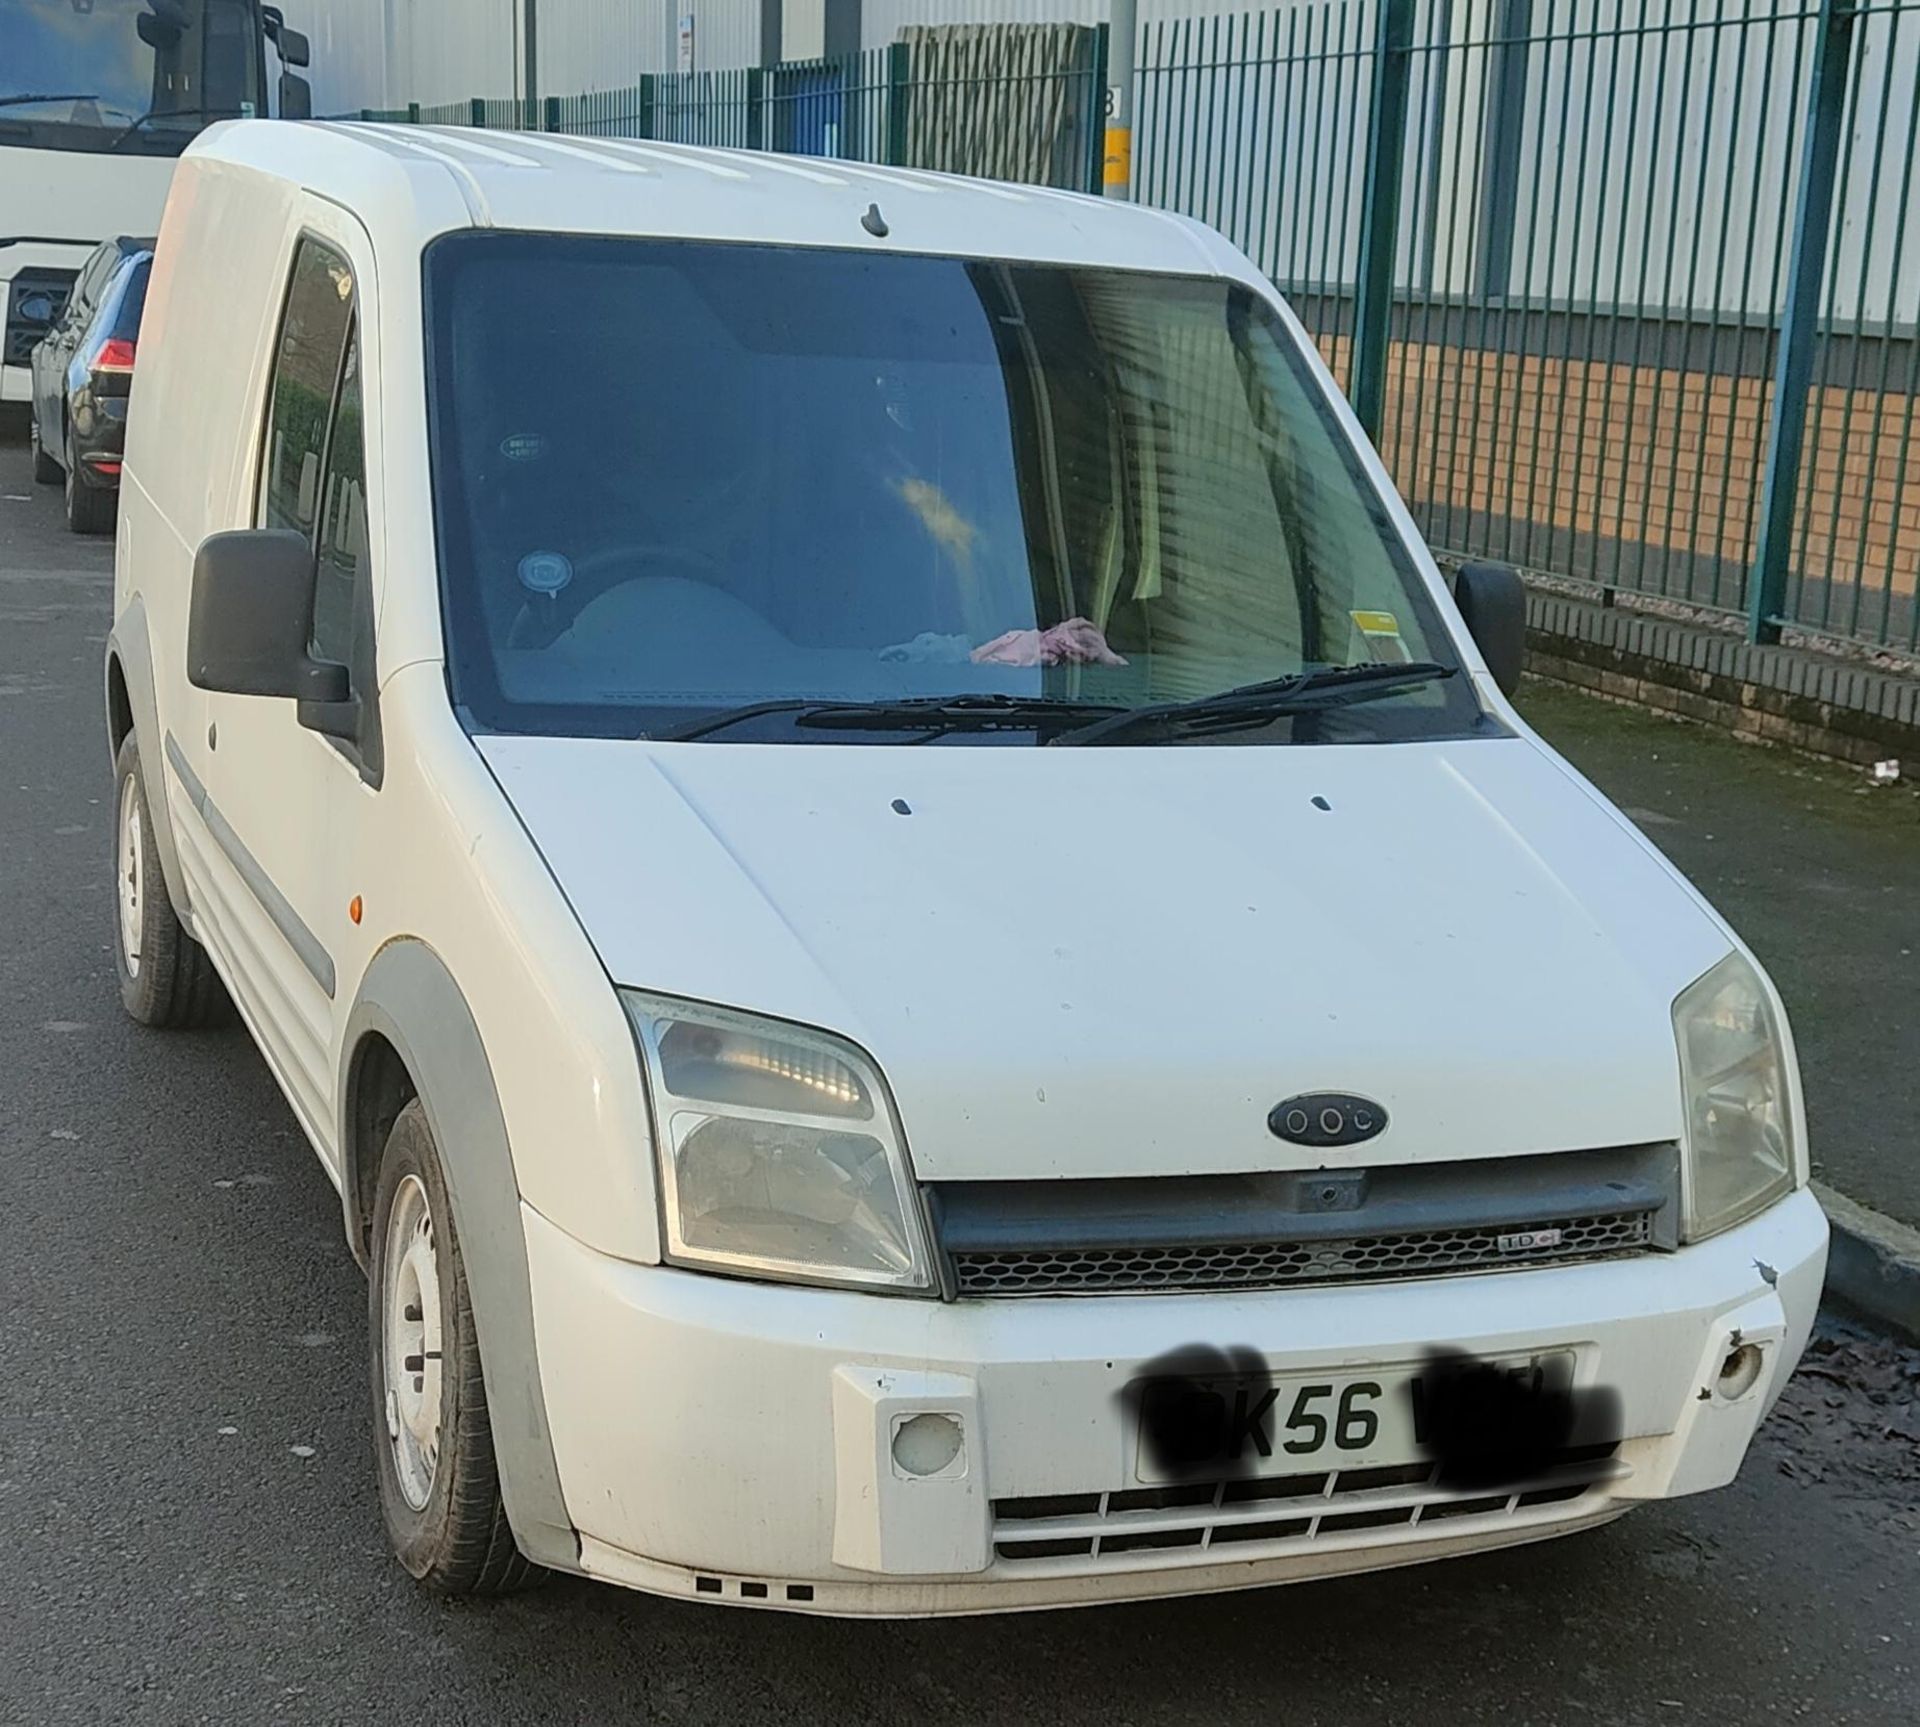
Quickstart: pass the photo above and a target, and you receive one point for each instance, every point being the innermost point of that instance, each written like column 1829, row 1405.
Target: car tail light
column 116, row 355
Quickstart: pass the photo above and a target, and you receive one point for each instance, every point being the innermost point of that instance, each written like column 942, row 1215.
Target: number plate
column 1296, row 1423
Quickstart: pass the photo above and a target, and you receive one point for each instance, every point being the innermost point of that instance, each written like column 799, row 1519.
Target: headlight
column 779, row 1153
column 1739, row 1125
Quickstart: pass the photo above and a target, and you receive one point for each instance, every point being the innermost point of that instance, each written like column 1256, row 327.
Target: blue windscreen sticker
column 545, row 572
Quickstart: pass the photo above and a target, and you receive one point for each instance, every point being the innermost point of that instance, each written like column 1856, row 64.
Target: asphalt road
column 188, row 1529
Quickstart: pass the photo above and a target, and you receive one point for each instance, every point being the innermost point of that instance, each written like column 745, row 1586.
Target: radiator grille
column 1267, row 1264
column 1290, row 1509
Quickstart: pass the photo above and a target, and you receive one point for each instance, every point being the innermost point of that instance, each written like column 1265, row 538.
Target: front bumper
column 731, row 1441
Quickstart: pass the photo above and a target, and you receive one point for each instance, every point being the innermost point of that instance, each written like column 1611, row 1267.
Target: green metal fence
column 1626, row 291
column 899, row 105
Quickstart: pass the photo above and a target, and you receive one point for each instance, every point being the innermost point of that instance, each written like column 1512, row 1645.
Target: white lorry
column 97, row 100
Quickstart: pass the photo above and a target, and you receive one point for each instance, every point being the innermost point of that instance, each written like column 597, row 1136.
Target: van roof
column 417, row 181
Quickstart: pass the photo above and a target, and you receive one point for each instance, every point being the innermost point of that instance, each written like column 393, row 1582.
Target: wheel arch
column 119, row 705
column 131, row 707
column 411, row 1034
column 379, row 1085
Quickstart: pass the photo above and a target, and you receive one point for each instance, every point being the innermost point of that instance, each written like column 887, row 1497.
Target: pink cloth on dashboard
column 1078, row 641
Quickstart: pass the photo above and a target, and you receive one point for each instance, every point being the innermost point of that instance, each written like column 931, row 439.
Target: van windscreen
column 674, row 479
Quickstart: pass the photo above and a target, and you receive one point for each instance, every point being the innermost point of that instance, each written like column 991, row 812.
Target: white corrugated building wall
column 384, row 53
column 351, row 53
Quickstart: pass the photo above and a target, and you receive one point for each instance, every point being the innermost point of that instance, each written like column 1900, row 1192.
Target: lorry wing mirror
column 1493, row 601
column 296, row 97
column 158, row 33
column 249, row 616
column 293, row 47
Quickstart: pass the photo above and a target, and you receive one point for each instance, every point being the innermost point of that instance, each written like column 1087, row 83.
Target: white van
column 933, row 969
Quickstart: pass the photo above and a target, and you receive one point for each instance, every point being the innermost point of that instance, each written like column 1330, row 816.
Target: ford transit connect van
column 933, row 969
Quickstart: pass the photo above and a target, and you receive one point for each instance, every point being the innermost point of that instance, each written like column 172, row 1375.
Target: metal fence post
column 1504, row 143
column 1380, row 212
column 756, row 108
column 899, row 75
column 644, row 119
column 1116, row 101
column 476, row 111
column 1799, row 323
column 1098, row 102
column 530, row 51
column 413, row 113
column 551, row 123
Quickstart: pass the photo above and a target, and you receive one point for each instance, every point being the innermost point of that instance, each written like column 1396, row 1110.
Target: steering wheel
column 543, row 618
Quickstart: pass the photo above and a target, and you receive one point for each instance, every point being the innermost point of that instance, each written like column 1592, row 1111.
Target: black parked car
column 82, row 372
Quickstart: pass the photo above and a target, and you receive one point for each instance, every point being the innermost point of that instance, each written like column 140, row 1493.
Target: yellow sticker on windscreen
column 1380, row 638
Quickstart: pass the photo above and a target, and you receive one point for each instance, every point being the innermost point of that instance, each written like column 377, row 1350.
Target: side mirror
column 158, row 33
column 248, row 620
column 1493, row 601
column 296, row 97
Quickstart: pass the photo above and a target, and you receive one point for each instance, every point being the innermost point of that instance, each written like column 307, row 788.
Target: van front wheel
column 433, row 1440
column 166, row 978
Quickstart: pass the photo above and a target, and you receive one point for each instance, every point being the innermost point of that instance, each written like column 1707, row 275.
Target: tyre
column 433, row 1440
column 166, row 978
column 90, row 509
column 46, row 471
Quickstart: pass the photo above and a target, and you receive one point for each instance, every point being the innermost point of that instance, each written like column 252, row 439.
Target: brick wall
column 1828, row 707
column 1648, row 477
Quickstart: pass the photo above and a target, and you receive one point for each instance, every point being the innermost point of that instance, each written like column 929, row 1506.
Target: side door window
column 306, row 370
column 341, row 568
column 313, row 473
column 86, row 287
column 91, row 289
column 130, row 299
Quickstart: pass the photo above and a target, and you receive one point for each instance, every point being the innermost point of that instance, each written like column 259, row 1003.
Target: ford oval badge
column 1327, row 1118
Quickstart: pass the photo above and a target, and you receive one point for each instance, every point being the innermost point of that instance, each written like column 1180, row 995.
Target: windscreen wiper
column 60, row 96
column 978, row 712
column 149, row 118
column 1256, row 704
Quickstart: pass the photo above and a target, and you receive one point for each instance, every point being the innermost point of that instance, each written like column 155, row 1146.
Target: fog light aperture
column 1740, row 1371
column 929, row 1445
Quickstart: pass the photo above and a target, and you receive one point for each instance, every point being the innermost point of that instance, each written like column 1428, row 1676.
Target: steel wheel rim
column 130, row 874
column 410, row 1342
